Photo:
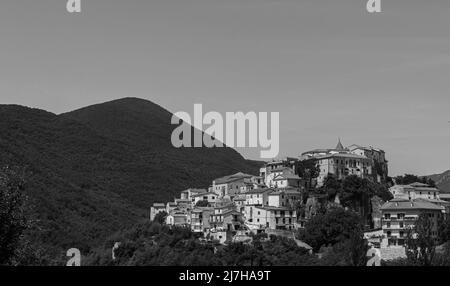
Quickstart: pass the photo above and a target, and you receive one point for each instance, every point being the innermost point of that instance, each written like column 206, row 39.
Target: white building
column 284, row 198
column 177, row 219
column 260, row 218
column 258, row 197
column 231, row 185
column 399, row 215
column 415, row 191
column 364, row 162
column 211, row 198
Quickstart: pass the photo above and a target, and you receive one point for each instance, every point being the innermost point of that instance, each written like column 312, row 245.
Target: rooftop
column 203, row 194
column 272, row 208
column 286, row 177
column 259, row 191
column 402, row 204
column 232, row 178
column 194, row 191
column 342, row 155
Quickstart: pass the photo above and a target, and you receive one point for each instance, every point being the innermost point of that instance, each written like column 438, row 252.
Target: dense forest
column 92, row 172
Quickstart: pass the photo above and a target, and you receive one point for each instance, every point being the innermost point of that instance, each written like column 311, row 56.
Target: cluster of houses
column 235, row 205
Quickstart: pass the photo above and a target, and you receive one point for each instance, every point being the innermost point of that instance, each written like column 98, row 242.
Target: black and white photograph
column 242, row 135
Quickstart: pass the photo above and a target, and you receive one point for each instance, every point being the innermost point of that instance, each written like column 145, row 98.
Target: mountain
column 92, row 171
column 442, row 181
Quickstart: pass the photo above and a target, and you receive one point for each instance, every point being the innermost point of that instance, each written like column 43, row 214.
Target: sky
column 330, row 68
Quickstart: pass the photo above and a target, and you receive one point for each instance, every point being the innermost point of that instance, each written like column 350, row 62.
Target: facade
column 364, row 162
column 277, row 167
column 183, row 204
column 187, row 194
column 170, row 207
column 399, row 215
column 200, row 219
column 177, row 219
column 226, row 219
column 415, row 191
column 284, row 198
column 211, row 198
column 378, row 160
column 342, row 165
column 259, row 218
column 231, row 185
column 258, row 197
column 286, row 180
column 239, row 202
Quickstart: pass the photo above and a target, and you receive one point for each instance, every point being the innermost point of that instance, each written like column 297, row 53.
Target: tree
column 335, row 226
column 443, row 258
column 13, row 219
column 160, row 217
column 332, row 186
column 444, row 228
column 202, row 203
column 420, row 243
column 410, row 178
column 351, row 252
column 308, row 170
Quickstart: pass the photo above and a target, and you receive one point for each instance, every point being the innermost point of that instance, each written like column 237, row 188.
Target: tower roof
column 339, row 146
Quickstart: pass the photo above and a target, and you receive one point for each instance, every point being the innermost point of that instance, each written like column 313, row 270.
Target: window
column 387, row 216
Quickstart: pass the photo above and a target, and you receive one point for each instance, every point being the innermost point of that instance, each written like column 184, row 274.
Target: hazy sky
column 330, row 68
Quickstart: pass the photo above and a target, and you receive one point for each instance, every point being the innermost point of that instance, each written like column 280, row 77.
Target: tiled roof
column 342, row 155
column 355, row 146
column 231, row 178
column 203, row 194
column 286, row 177
column 258, row 191
column 231, row 212
column 194, row 191
column 285, row 191
column 318, row 151
column 417, row 185
column 271, row 208
column 339, row 146
column 402, row 204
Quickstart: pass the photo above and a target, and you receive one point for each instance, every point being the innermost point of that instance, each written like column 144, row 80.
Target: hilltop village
column 286, row 194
